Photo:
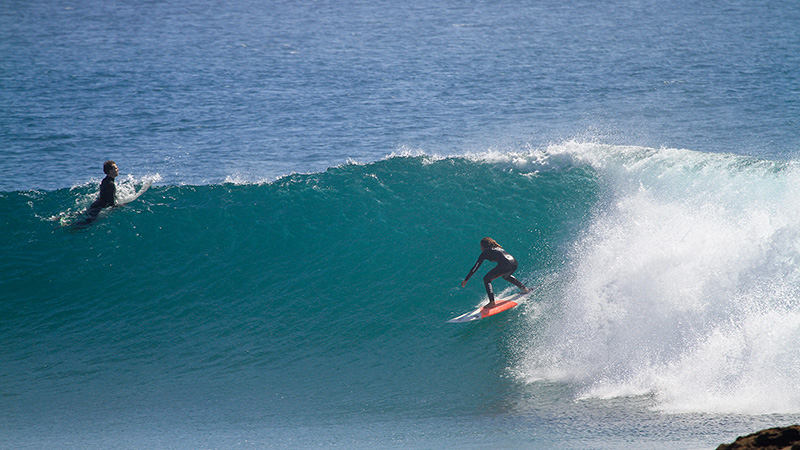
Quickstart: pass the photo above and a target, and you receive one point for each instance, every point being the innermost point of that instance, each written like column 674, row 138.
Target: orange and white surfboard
column 482, row 312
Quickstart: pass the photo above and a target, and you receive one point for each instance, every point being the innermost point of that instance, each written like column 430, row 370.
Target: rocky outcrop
column 787, row 438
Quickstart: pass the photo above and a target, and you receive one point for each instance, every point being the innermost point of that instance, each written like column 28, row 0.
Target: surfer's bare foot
column 525, row 290
column 490, row 305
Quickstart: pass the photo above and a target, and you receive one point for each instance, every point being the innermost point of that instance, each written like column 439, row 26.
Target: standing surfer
column 506, row 265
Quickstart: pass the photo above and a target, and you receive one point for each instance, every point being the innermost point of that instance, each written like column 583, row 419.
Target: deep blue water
column 199, row 91
column 322, row 173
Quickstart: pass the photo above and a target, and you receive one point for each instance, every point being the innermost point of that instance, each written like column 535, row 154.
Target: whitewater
column 685, row 283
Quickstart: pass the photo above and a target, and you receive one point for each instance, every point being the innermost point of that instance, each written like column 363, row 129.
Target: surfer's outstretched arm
column 473, row 270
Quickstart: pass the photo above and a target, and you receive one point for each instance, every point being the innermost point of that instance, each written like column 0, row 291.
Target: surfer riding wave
column 506, row 266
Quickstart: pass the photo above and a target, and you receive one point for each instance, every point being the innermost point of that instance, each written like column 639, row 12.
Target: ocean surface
column 305, row 186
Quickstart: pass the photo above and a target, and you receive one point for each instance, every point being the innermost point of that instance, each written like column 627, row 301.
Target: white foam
column 684, row 287
column 129, row 188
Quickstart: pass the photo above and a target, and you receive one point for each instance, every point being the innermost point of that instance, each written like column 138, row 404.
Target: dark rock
column 786, row 438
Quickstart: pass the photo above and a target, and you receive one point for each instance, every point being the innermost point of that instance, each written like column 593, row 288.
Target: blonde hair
column 488, row 242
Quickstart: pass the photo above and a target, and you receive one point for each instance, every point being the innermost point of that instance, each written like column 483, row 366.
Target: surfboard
column 499, row 306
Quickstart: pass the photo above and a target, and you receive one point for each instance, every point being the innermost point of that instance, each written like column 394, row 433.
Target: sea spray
column 683, row 287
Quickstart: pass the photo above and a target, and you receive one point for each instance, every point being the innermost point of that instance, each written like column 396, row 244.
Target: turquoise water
column 311, row 311
column 320, row 175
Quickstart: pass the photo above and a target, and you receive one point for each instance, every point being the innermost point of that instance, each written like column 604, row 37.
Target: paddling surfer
column 108, row 190
column 506, row 266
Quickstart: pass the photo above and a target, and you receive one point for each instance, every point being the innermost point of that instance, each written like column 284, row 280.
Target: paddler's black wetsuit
column 506, row 265
column 107, row 191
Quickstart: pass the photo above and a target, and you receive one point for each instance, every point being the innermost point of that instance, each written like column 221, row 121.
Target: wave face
column 668, row 274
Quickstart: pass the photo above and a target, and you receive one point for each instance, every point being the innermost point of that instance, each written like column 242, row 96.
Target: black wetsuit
column 506, row 265
column 107, row 191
